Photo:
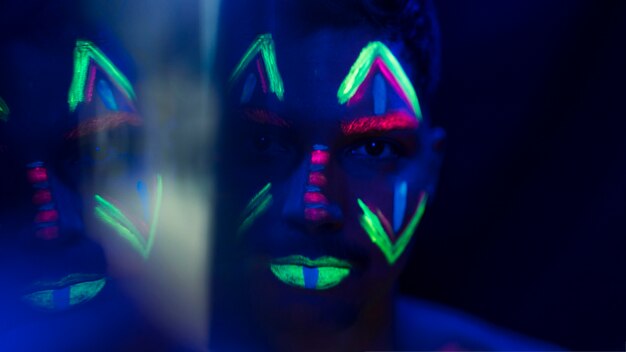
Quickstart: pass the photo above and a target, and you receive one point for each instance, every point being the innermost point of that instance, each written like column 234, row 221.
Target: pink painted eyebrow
column 104, row 122
column 265, row 117
column 392, row 121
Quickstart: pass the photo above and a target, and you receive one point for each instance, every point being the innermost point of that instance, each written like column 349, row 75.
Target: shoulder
column 422, row 325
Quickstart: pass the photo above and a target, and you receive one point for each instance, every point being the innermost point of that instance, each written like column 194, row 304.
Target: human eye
column 375, row 149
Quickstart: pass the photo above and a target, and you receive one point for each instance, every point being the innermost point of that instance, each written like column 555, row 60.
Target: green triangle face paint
column 264, row 47
column 85, row 53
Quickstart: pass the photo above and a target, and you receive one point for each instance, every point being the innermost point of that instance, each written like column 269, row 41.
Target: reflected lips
column 70, row 291
column 312, row 274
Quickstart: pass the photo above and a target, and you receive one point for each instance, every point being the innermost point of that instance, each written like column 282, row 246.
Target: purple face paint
column 315, row 202
column 46, row 218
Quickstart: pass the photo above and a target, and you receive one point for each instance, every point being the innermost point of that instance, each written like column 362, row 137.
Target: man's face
column 332, row 167
column 71, row 178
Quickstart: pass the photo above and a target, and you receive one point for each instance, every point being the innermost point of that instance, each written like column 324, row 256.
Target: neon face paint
column 271, row 79
column 81, row 89
column 104, row 122
column 264, row 117
column 399, row 205
column 375, row 230
column 380, row 95
column 392, row 121
column 302, row 272
column 377, row 55
column 315, row 201
column 106, row 94
column 112, row 216
column 70, row 291
column 256, row 206
column 248, row 89
column 46, row 218
column 4, row 111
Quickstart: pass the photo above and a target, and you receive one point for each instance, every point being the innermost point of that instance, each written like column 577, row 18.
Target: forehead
column 314, row 64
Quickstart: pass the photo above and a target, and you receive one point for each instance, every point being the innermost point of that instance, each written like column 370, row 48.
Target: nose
column 57, row 212
column 309, row 203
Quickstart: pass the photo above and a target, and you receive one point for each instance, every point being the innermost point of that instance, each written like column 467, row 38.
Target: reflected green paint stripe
column 85, row 291
column 114, row 212
column 361, row 68
column 375, row 230
column 83, row 52
column 115, row 218
column 255, row 208
column 265, row 45
column 4, row 110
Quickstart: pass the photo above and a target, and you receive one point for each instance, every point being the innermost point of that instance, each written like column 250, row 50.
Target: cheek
column 124, row 220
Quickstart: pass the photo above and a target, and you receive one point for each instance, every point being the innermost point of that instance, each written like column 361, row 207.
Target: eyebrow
column 377, row 55
column 264, row 117
column 104, row 122
column 391, row 121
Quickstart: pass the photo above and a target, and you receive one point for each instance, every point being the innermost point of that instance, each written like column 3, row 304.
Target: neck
column 373, row 330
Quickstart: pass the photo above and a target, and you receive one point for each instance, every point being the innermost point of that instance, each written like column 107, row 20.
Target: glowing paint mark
column 116, row 219
column 142, row 190
column 375, row 230
column 397, row 120
column 259, row 68
column 317, row 178
column 4, row 110
column 377, row 54
column 315, row 214
column 310, row 277
column 320, row 157
column 315, row 197
column 90, row 84
column 264, row 117
column 380, row 95
column 248, row 89
column 399, row 205
column 265, row 45
column 319, row 274
column 256, row 206
column 104, row 122
column 84, row 52
column 106, row 94
column 65, row 297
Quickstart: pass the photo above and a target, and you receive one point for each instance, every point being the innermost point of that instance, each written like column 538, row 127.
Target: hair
column 411, row 22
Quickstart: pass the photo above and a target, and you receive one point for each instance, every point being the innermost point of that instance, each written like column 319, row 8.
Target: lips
column 70, row 291
column 312, row 274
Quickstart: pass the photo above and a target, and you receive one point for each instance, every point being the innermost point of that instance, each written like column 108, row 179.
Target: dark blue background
column 529, row 224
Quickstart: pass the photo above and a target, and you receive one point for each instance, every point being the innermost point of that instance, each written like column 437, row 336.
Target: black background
column 528, row 227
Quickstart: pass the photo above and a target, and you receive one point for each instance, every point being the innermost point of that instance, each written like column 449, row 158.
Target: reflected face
column 332, row 166
column 72, row 176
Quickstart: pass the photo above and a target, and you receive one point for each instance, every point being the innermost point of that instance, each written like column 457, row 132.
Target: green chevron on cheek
column 112, row 216
column 377, row 233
